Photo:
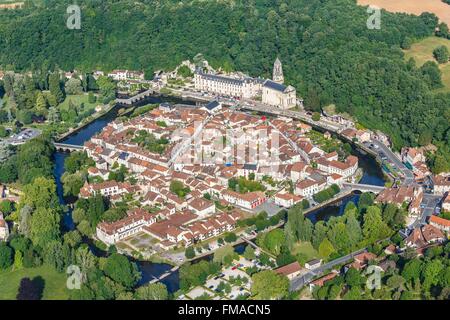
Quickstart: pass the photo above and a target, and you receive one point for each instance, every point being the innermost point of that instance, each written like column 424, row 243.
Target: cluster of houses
column 410, row 195
column 415, row 160
column 191, row 136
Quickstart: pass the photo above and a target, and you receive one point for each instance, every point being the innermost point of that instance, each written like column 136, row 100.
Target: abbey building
column 273, row 92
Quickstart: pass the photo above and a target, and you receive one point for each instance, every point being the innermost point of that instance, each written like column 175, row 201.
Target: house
column 309, row 187
column 202, row 207
column 4, row 231
column 313, row 264
column 411, row 156
column 404, row 194
column 361, row 260
column 291, row 270
column 113, row 232
column 423, row 236
column 441, row 184
column 440, row 223
column 286, row 200
column 248, row 200
column 320, row 282
column 106, row 189
column 390, row 249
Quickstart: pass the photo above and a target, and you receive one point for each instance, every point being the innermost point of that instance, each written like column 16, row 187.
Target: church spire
column 278, row 71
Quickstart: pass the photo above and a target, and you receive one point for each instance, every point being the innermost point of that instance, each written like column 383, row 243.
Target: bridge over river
column 364, row 187
column 65, row 147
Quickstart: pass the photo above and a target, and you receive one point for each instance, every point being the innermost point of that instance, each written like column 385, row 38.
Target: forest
column 327, row 51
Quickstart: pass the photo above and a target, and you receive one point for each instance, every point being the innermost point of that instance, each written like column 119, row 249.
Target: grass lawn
column 77, row 100
column 422, row 52
column 306, row 249
column 55, row 283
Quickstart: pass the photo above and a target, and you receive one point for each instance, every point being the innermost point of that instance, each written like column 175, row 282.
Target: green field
column 305, row 249
column 77, row 100
column 422, row 52
column 55, row 283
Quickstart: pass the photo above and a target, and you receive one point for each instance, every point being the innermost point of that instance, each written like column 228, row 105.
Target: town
column 194, row 175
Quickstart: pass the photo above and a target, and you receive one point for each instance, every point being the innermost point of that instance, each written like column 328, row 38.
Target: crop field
column 439, row 8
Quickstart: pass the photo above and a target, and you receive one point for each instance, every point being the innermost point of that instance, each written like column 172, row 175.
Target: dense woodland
column 328, row 52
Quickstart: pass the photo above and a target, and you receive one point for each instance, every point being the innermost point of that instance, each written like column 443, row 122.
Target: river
column 372, row 175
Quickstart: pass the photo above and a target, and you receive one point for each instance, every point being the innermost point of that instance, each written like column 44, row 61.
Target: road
column 305, row 279
column 408, row 174
column 430, row 201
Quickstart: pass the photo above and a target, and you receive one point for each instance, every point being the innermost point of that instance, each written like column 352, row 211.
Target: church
column 273, row 92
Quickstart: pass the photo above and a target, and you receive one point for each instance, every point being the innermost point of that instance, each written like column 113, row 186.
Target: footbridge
column 364, row 187
column 65, row 147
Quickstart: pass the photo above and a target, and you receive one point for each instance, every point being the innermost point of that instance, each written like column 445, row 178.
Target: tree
column 3, row 132
column 412, row 270
column 45, row 223
column 430, row 273
column 353, row 230
column 326, row 248
column 365, row 200
column 119, row 269
column 374, row 227
column 152, row 291
column 6, row 207
column 189, row 253
column 269, row 285
column 230, row 237
column 41, row 104
column 249, row 253
column 18, row 260
column 320, row 233
column 441, row 54
column 6, row 256
column 55, row 87
column 225, row 255
column 353, row 278
column 274, row 240
column 73, row 86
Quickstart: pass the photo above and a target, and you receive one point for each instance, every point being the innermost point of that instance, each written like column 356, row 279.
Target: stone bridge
column 136, row 98
column 65, row 147
column 364, row 187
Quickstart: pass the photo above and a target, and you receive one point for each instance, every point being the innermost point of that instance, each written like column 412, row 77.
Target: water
column 372, row 175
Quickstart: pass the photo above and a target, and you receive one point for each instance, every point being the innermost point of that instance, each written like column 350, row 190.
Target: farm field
column 422, row 52
column 437, row 7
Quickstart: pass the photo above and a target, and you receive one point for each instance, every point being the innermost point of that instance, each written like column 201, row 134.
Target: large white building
column 273, row 92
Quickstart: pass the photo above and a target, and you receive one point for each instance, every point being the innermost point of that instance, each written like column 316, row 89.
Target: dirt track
column 439, row 8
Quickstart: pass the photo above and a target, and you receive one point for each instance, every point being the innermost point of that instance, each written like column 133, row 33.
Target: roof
column 275, row 86
column 212, row 105
column 289, row 269
column 440, row 221
column 249, row 166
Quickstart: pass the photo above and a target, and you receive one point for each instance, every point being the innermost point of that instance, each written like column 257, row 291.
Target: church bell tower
column 278, row 72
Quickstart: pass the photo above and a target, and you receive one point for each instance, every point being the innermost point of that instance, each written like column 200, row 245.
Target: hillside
column 329, row 59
